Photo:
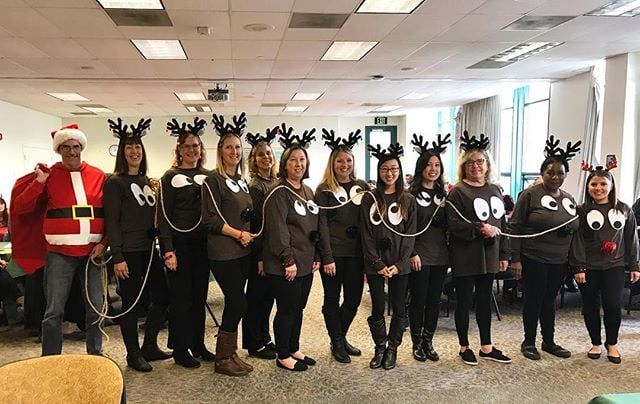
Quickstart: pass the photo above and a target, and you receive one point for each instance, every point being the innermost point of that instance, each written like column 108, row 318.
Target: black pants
column 605, row 286
column 464, row 299
column 188, row 288
column 349, row 280
column 541, row 283
column 255, row 324
column 425, row 287
column 232, row 276
column 397, row 295
column 291, row 299
column 8, row 287
column 137, row 262
column 34, row 300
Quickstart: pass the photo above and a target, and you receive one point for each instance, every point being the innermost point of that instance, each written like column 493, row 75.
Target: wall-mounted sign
column 380, row 120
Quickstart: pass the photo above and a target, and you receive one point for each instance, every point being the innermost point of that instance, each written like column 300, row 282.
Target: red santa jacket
column 74, row 217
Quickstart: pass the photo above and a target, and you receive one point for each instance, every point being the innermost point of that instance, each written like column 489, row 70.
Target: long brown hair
column 177, row 160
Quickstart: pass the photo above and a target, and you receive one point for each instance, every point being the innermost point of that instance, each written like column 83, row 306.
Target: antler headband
column 254, row 139
column 237, row 128
column 468, row 143
column 439, row 146
column 611, row 164
column 334, row 142
column 394, row 151
column 129, row 131
column 176, row 129
column 288, row 139
column 552, row 149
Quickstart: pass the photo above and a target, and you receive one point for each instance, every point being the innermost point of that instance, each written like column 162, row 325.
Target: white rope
column 164, row 214
column 518, row 235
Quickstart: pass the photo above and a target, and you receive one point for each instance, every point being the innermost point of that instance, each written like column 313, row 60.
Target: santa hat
column 69, row 132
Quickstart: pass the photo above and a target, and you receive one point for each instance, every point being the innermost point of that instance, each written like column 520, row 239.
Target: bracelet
column 241, row 234
column 580, row 270
column 168, row 255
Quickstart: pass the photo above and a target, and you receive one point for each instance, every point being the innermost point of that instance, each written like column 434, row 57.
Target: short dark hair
column 285, row 157
column 121, row 162
column 551, row 160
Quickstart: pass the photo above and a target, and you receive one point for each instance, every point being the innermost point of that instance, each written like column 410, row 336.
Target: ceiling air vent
column 537, row 23
column 127, row 17
column 317, row 20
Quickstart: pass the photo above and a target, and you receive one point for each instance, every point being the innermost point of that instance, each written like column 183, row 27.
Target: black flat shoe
column 306, row 360
column 185, row 359
column 351, row 350
column 138, row 363
column 264, row 353
column 204, row 354
column 151, row 352
column 556, row 350
column 613, row 359
column 594, row 355
column 299, row 366
column 530, row 352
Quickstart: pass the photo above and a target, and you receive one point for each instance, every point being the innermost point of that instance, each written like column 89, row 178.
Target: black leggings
column 464, row 298
column 188, row 288
column 291, row 299
column 8, row 287
column 541, row 283
column 137, row 263
column 397, row 295
column 605, row 286
column 255, row 324
column 349, row 280
column 232, row 275
column 425, row 287
column 34, row 300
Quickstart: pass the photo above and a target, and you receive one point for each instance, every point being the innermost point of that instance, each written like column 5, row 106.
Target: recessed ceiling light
column 258, row 27
column 97, row 110
column 346, row 50
column 415, row 96
column 190, row 96
column 306, row 96
column 295, row 108
column 160, row 48
column 68, row 96
column 387, row 108
column 137, row 4
column 198, row 108
column 619, row 8
column 388, row 6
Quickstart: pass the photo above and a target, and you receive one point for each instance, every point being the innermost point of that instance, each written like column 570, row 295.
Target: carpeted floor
column 550, row 380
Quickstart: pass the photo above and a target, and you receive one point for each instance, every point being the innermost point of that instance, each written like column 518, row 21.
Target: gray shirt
column 431, row 246
column 234, row 204
column 536, row 211
column 470, row 253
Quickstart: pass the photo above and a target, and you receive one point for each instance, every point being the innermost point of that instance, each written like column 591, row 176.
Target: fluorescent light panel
column 306, row 96
column 190, row 96
column 295, row 108
column 523, row 51
column 346, row 50
column 619, row 8
column 98, row 110
column 198, row 108
column 160, row 48
column 136, row 4
column 387, row 108
column 389, row 6
column 68, row 96
column 415, row 96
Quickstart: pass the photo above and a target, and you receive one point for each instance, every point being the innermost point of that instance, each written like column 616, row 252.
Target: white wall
column 26, row 140
column 159, row 145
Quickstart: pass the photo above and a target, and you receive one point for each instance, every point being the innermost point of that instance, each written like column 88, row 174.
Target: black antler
column 198, row 126
column 142, row 127
column 175, row 129
column 468, row 143
column 440, row 146
column 271, row 134
column 420, row 146
column 352, row 139
column 218, row 124
column 330, row 138
column 307, row 137
column 552, row 149
column 376, row 151
column 239, row 124
column 286, row 136
column 118, row 130
column 394, row 151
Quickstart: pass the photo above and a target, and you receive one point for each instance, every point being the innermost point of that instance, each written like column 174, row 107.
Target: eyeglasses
column 392, row 170
column 66, row 148
column 190, row 146
column 478, row 162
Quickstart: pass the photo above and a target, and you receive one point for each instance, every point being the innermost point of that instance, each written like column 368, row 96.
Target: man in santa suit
column 73, row 227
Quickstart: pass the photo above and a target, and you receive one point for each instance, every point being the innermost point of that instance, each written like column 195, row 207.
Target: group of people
column 263, row 236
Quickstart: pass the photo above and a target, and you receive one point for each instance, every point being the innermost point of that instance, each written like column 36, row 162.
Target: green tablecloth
column 627, row 398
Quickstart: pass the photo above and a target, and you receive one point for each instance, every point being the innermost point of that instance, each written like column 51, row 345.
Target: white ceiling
column 44, row 44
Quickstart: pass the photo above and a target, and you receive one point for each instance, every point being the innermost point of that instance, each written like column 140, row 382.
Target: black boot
column 427, row 346
column 184, row 359
column 379, row 334
column 351, row 350
column 150, row 349
column 151, row 352
column 137, row 362
column 418, row 351
column 338, row 350
column 396, row 329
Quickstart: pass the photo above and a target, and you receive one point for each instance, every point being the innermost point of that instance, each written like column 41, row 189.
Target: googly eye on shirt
column 243, row 186
column 497, row 207
column 616, row 218
column 340, row 194
column 143, row 195
column 549, row 202
column 439, row 201
column 393, row 213
column 481, row 207
column 595, row 219
column 423, row 199
column 374, row 216
column 298, row 206
column 356, row 194
column 181, row 181
column 232, row 185
column 312, row 207
column 569, row 206
column 149, row 195
column 199, row 178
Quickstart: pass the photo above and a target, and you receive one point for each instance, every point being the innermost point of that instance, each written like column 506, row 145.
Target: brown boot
column 224, row 355
column 236, row 358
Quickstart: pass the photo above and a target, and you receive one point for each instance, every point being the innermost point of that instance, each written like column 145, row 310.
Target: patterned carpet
column 552, row 380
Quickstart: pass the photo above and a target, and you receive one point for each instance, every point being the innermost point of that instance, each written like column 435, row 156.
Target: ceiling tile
column 206, row 69
column 19, row 48
column 421, row 27
column 508, row 7
column 302, row 50
column 82, row 23
column 185, row 24
column 368, row 27
column 251, row 50
column 439, row 7
column 474, row 26
column 292, row 68
column 60, row 48
column 309, row 34
column 278, row 21
column 388, row 50
column 207, row 49
column 254, row 69
column 201, row 5
column 326, row 6
column 261, row 5
column 110, row 48
column 28, row 23
column 569, row 7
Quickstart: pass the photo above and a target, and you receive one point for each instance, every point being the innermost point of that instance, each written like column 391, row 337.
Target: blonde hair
column 466, row 156
column 329, row 178
column 253, row 164
column 219, row 162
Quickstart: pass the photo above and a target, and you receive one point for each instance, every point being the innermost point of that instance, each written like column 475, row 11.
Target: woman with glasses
column 475, row 219
column 183, row 241
column 386, row 253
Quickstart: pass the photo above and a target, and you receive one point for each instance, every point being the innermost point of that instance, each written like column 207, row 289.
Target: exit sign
column 380, row 120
